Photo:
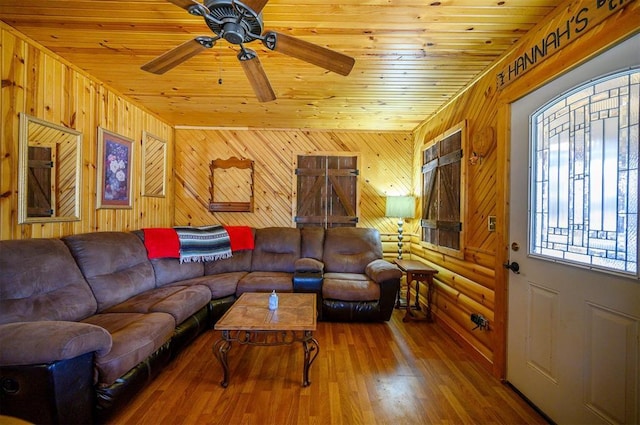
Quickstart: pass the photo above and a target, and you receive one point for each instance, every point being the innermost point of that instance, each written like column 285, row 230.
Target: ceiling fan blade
column 174, row 57
column 185, row 4
column 255, row 5
column 309, row 52
column 256, row 75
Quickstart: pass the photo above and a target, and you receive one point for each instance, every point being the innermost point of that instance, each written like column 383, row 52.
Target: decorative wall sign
column 115, row 153
column 580, row 17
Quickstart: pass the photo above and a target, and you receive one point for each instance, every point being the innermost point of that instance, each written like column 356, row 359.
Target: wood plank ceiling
column 411, row 57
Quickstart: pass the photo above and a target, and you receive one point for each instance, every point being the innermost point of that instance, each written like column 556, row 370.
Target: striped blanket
column 207, row 243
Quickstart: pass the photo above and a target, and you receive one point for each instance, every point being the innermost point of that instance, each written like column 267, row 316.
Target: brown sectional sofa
column 89, row 319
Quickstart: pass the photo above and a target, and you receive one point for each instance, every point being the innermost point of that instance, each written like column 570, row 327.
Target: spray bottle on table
column 273, row 301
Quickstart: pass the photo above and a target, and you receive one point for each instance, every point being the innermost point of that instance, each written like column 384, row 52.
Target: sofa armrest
column 309, row 265
column 25, row 343
column 381, row 270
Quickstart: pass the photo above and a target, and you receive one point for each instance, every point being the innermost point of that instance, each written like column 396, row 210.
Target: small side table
column 421, row 273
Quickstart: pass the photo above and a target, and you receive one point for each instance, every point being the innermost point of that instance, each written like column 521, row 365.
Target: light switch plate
column 491, row 223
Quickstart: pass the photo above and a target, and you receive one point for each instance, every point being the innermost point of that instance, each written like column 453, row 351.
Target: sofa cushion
column 276, row 250
column 28, row 343
column 349, row 287
column 179, row 301
column 135, row 336
column 220, row 285
column 312, row 242
column 381, row 270
column 309, row 265
column 170, row 270
column 265, row 282
column 240, row 261
column 40, row 280
column 114, row 263
column 350, row 249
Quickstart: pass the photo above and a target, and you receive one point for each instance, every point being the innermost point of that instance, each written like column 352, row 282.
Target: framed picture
column 154, row 164
column 115, row 154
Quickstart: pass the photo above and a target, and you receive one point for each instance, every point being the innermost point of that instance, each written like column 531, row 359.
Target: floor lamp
column 400, row 207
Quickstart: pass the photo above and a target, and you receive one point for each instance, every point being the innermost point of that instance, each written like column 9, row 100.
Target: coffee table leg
column 311, row 350
column 220, row 349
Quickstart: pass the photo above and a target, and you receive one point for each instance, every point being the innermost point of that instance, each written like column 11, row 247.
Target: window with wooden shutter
column 442, row 190
column 327, row 191
column 40, row 181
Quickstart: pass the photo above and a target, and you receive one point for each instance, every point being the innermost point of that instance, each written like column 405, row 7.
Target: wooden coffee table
column 249, row 321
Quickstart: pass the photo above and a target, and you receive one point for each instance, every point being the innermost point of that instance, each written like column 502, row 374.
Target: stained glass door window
column 584, row 171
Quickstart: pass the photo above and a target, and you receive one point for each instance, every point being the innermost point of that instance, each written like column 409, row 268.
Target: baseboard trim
column 482, row 360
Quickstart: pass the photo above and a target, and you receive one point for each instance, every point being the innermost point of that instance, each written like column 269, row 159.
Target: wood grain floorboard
column 365, row 373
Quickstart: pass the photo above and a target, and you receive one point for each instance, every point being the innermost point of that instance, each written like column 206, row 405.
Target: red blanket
column 240, row 237
column 161, row 243
column 164, row 242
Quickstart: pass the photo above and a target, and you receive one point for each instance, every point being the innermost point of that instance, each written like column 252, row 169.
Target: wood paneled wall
column 478, row 284
column 385, row 169
column 41, row 84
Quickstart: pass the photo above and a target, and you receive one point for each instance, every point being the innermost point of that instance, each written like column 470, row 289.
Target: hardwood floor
column 365, row 373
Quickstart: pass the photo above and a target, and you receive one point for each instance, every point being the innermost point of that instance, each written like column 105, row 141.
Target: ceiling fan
column 240, row 23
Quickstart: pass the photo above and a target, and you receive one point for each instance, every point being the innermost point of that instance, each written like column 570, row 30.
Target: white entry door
column 573, row 332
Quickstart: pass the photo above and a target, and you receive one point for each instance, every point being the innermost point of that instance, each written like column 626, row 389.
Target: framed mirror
column 50, row 171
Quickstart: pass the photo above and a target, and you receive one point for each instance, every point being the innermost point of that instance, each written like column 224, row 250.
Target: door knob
column 514, row 267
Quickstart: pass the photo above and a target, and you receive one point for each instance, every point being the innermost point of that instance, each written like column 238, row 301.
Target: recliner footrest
column 310, row 282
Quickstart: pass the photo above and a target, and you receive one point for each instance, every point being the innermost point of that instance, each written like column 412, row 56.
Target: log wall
column 479, row 283
column 41, row 84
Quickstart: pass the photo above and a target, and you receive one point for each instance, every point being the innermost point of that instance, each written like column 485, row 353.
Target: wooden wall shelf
column 236, row 181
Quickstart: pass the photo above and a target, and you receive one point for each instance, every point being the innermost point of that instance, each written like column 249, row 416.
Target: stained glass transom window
column 584, row 206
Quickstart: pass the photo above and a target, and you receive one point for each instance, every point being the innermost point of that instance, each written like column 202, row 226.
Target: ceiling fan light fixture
column 234, row 33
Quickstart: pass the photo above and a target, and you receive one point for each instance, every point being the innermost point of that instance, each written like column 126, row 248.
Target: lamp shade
column 400, row 206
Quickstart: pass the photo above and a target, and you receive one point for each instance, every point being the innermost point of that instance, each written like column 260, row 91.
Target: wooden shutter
column 39, row 180
column 311, row 189
column 430, row 194
column 327, row 191
column 441, row 221
column 449, row 169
